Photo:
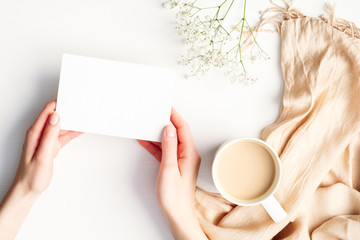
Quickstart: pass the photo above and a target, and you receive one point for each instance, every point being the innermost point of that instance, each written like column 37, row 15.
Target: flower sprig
column 211, row 44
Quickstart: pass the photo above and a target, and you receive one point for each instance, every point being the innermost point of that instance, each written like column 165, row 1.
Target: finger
column 183, row 132
column 183, row 129
column 189, row 159
column 66, row 136
column 62, row 132
column 169, row 149
column 45, row 151
column 65, row 132
column 158, row 144
column 44, row 114
column 152, row 148
column 33, row 134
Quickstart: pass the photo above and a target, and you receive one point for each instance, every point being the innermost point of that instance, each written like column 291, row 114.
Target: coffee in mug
column 247, row 171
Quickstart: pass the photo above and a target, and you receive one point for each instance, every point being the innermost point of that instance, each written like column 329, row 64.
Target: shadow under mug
column 267, row 200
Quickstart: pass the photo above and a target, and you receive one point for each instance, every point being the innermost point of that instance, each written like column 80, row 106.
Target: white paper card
column 114, row 98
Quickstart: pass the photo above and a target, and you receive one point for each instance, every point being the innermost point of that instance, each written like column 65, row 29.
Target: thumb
column 49, row 137
column 169, row 148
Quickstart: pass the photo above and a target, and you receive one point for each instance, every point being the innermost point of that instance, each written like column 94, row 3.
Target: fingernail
column 170, row 131
column 54, row 118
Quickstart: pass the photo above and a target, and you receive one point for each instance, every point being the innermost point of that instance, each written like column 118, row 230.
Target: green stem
column 235, row 26
column 195, row 12
column 219, row 7
column 223, row 3
column 190, row 59
column 209, row 7
column 242, row 64
column 224, row 29
column 241, row 33
column 252, row 34
column 230, row 50
column 244, row 9
column 228, row 9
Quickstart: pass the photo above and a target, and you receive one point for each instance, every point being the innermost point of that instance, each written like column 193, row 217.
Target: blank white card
column 114, row 98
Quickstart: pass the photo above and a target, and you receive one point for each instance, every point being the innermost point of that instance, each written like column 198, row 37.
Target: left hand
column 43, row 141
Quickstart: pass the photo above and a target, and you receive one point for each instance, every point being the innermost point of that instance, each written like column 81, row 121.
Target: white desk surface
column 104, row 187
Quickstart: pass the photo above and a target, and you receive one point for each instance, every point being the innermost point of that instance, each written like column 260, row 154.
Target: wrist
column 185, row 226
column 20, row 192
column 18, row 198
column 14, row 209
column 20, row 189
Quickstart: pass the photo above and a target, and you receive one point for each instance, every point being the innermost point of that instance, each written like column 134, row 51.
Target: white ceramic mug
column 267, row 199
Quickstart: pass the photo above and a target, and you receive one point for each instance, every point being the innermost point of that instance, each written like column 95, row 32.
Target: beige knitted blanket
column 317, row 137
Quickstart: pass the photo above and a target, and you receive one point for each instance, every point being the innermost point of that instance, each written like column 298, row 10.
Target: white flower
column 209, row 44
column 255, row 55
column 170, row 4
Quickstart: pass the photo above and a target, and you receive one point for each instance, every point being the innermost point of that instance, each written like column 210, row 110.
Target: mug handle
column 274, row 209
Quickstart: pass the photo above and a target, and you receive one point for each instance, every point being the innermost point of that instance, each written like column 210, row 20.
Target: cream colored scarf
column 317, row 137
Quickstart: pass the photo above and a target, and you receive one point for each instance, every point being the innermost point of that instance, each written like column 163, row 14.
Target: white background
column 104, row 187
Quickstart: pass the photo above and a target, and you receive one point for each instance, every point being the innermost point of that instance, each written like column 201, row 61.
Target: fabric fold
column 317, row 139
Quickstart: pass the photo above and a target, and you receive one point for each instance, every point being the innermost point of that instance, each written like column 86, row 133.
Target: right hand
column 176, row 181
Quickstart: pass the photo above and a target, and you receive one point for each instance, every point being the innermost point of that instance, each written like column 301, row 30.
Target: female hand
column 43, row 141
column 176, row 181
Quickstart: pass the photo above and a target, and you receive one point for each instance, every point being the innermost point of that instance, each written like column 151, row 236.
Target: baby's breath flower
column 210, row 44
